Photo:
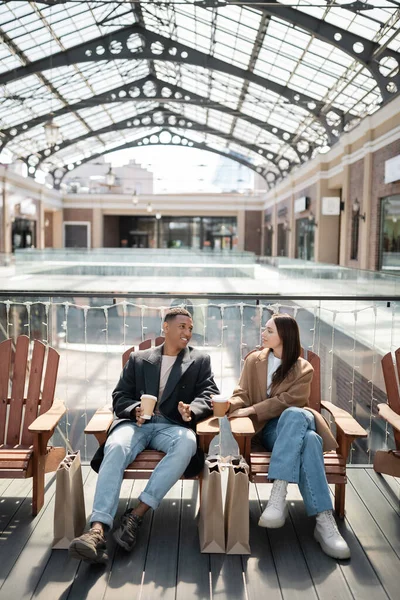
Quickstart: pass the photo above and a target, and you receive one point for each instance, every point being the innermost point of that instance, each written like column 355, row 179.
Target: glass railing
column 308, row 277
column 92, row 331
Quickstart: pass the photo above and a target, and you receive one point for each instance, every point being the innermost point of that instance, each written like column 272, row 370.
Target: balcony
column 91, row 331
column 166, row 563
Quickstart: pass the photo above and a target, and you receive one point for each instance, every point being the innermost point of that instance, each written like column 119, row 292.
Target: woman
column 273, row 390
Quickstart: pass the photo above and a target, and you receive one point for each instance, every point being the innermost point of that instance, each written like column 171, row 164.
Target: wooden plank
column 388, row 486
column 28, row 547
column 162, row 556
column 326, row 574
column 193, row 578
column 378, row 550
column 5, row 366
column 50, row 380
column 125, row 582
column 91, row 580
column 12, row 499
column 293, row 574
column 60, row 570
column 17, row 391
column 260, row 574
column 33, row 393
column 387, row 519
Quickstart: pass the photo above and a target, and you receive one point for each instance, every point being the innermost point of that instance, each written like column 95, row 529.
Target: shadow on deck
column 166, row 563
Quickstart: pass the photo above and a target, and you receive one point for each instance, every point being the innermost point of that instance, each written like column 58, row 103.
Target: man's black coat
column 190, row 381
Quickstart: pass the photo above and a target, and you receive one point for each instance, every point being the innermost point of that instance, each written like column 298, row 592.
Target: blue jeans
column 297, row 456
column 123, row 444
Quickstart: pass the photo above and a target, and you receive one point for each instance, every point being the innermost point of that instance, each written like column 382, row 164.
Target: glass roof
column 259, row 39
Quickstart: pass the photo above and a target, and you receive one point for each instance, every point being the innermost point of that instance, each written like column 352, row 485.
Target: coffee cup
column 148, row 402
column 220, row 405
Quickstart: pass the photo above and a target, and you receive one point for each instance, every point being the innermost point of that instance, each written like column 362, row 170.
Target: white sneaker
column 275, row 514
column 328, row 536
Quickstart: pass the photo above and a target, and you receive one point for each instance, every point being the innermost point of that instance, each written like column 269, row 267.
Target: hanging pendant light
column 52, row 132
column 110, row 177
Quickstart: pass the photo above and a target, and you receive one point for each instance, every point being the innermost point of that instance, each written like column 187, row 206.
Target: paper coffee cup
column 148, row 402
column 220, row 404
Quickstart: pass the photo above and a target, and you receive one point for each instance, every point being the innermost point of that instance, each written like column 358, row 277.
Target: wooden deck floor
column 166, row 563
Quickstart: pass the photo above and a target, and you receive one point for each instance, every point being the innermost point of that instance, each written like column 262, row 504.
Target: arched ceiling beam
column 360, row 49
column 176, row 140
column 174, row 120
column 137, row 43
column 136, row 92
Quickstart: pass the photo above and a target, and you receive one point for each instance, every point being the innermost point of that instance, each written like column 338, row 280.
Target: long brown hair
column 289, row 333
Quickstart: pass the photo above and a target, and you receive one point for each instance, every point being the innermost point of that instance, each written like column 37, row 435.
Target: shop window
column 390, row 234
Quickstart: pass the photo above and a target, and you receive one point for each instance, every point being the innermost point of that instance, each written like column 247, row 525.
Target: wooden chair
column 28, row 420
column 145, row 462
column 347, row 430
column 388, row 462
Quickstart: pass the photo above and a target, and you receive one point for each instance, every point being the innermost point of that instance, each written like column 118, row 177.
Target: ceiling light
column 52, row 132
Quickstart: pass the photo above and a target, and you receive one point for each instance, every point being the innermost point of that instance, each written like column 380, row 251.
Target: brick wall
column 80, row 214
column 48, row 229
column 252, row 231
column 111, row 231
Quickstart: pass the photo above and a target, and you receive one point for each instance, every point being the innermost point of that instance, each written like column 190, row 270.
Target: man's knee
column 186, row 442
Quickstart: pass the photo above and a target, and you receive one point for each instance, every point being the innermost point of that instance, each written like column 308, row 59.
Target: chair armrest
column 344, row 421
column 389, row 415
column 241, row 427
column 46, row 422
column 100, row 422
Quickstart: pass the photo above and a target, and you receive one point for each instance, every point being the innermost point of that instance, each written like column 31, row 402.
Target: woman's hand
column 243, row 412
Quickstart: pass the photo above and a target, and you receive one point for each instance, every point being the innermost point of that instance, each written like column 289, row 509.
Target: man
column 180, row 377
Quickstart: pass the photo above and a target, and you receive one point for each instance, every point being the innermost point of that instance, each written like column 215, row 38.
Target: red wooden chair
column 28, row 418
column 388, row 462
column 347, row 430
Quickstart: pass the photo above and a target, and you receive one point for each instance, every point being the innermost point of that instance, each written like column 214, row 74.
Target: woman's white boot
column 327, row 535
column 275, row 513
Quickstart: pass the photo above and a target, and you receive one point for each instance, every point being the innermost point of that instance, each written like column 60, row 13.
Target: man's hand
column 243, row 412
column 139, row 412
column 184, row 410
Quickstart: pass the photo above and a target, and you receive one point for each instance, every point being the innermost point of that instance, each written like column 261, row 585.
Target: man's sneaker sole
column 82, row 551
column 341, row 554
column 127, row 547
column 273, row 523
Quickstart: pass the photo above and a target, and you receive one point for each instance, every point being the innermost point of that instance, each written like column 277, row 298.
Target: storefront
column 389, row 254
column 305, row 235
column 215, row 233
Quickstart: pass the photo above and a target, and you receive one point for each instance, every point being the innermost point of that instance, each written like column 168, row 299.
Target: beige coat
column 294, row 390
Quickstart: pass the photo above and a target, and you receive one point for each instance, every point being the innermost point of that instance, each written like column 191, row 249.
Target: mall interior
column 240, row 159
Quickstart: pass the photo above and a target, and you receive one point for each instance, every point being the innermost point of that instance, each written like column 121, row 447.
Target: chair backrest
column 391, row 382
column 315, row 394
column 142, row 346
column 39, row 395
column 392, row 385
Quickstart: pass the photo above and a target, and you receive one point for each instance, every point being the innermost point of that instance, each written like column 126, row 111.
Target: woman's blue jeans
column 297, row 456
column 123, row 445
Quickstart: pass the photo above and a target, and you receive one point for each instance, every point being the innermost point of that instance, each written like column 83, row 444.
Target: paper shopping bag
column 211, row 523
column 237, row 508
column 69, row 510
